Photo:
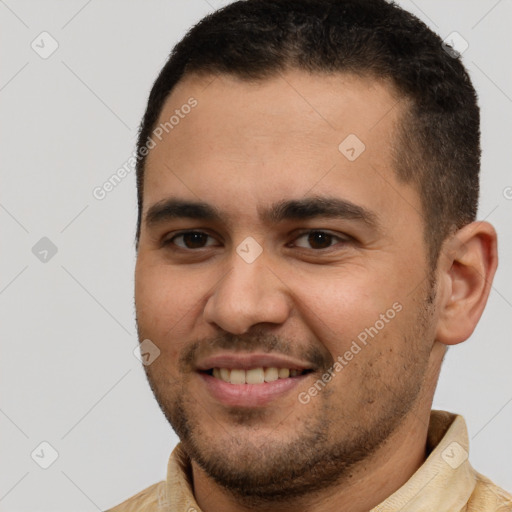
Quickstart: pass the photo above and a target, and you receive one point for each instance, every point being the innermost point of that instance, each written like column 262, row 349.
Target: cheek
column 337, row 309
column 166, row 304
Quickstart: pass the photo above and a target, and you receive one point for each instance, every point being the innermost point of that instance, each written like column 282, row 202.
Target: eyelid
column 340, row 236
column 169, row 237
column 306, row 231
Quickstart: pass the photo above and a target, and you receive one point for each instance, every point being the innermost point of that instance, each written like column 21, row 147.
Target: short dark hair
column 438, row 140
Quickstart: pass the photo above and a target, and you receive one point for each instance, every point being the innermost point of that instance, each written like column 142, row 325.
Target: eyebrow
column 294, row 209
column 313, row 207
column 168, row 209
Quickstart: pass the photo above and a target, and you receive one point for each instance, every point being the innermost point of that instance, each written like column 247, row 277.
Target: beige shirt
column 446, row 482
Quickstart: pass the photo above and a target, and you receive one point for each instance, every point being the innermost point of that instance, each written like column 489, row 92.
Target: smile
column 242, row 379
column 254, row 375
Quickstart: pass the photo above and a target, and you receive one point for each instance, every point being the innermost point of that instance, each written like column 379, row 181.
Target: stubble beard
column 317, row 456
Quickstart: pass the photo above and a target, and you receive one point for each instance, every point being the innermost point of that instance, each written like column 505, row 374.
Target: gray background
column 68, row 373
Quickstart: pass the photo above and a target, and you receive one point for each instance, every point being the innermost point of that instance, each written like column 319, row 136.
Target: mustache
column 317, row 356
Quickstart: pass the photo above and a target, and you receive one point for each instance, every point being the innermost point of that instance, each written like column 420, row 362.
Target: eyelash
column 343, row 239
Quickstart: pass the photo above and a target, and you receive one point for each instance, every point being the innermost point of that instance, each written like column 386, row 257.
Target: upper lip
column 246, row 361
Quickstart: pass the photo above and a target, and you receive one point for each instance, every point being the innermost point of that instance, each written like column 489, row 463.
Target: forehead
column 232, row 141
column 294, row 103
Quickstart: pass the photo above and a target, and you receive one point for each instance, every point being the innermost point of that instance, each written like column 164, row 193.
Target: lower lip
column 249, row 395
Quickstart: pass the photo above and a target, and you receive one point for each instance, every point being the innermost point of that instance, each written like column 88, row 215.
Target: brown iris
column 194, row 240
column 319, row 239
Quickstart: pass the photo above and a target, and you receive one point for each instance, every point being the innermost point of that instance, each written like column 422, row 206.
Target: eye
column 191, row 240
column 317, row 240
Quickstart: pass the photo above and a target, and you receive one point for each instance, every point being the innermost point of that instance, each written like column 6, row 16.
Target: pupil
column 194, row 240
column 319, row 240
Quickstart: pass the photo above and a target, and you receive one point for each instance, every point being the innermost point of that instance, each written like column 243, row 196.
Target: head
column 325, row 156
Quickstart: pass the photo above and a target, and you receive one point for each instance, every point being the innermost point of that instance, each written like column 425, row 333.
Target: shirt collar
column 446, row 480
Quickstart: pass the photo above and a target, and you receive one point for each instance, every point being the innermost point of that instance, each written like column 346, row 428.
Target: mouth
column 251, row 380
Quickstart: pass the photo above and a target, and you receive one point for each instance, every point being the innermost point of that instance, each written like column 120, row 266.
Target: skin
column 244, row 147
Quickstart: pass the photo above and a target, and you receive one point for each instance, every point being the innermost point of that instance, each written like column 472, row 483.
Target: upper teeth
column 254, row 375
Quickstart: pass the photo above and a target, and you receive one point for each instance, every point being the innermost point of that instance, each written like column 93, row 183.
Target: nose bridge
column 248, row 294
column 245, row 280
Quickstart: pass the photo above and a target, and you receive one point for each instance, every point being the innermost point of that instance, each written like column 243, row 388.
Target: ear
column 466, row 268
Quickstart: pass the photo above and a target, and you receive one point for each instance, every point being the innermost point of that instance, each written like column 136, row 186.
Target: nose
column 249, row 294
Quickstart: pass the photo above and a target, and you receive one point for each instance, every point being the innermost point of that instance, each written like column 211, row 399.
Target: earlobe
column 467, row 265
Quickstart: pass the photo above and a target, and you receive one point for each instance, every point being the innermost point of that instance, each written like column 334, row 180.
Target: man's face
column 304, row 254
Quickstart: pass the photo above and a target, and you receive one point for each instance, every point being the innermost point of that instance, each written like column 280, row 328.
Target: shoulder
column 488, row 497
column 151, row 499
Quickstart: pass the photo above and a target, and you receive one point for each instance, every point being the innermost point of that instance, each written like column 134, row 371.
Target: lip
column 246, row 361
column 250, row 395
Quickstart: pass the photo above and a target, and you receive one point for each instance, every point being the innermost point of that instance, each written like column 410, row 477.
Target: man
column 307, row 251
